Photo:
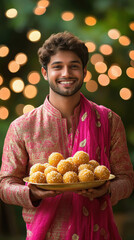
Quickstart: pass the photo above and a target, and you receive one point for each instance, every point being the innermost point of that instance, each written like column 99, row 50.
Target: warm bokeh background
column 107, row 27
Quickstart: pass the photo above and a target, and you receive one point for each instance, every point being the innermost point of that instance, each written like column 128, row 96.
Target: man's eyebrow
column 58, row 62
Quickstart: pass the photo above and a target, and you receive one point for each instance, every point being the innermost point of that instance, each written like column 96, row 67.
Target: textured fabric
column 81, row 225
column 32, row 137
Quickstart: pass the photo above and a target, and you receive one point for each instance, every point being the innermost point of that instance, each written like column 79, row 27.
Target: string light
column 114, row 33
column 103, row 80
column 11, row 13
column 39, row 10
column 100, row 67
column 3, row 113
column 114, row 72
column 17, row 85
column 1, row 80
column 67, row 16
column 125, row 93
column 34, row 35
column 131, row 54
column 33, row 77
column 106, row 49
column 91, row 46
column 91, row 86
column 131, row 25
column 30, row 91
column 21, row 58
column 130, row 72
column 5, row 93
column 88, row 76
column 13, row 66
column 28, row 108
column 4, row 50
column 96, row 58
column 43, row 3
column 90, row 21
column 19, row 109
column 124, row 40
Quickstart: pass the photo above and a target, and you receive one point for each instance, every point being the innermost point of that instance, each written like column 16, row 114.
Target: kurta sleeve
column 120, row 162
column 13, row 169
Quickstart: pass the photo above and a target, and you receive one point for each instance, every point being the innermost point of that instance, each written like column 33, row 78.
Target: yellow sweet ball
column 37, row 177
column 37, row 167
column 46, row 165
column 74, row 166
column 94, row 163
column 54, row 177
column 70, row 177
column 54, row 158
column 101, row 172
column 49, row 169
column 85, row 166
column 64, row 166
column 80, row 157
column 86, row 175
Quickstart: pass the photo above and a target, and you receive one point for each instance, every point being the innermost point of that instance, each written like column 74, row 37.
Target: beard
column 67, row 92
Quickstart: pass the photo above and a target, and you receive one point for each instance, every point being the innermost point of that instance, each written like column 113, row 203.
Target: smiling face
column 64, row 73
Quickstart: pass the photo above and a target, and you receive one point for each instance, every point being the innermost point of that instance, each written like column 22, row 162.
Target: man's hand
column 95, row 192
column 39, row 194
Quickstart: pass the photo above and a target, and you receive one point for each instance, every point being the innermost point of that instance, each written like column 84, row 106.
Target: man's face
column 64, row 73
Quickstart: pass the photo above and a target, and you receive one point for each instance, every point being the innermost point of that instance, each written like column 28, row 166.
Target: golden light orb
column 91, row 46
column 1, row 80
column 39, row 10
column 19, row 109
column 131, row 25
column 91, row 86
column 67, row 16
column 30, row 91
column 130, row 72
column 103, row 80
column 114, row 72
column 5, row 93
column 43, row 3
column 17, row 85
column 28, row 108
column 4, row 113
column 114, row 33
column 131, row 54
column 88, row 76
column 125, row 93
column 34, row 35
column 4, row 50
column 97, row 57
column 90, row 21
column 106, row 49
column 33, row 77
column 124, row 40
column 11, row 13
column 21, row 58
column 13, row 66
column 100, row 67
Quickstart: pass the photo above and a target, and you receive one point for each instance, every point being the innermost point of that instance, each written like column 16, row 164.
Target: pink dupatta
column 88, row 220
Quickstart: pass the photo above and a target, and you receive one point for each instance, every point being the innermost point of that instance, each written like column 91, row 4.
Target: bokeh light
column 91, row 86
column 43, row 3
column 103, row 80
column 67, row 16
column 125, row 93
column 34, row 35
column 17, row 85
column 114, row 33
column 96, row 58
column 131, row 25
column 114, row 72
column 100, row 67
column 91, row 46
column 5, row 93
column 39, row 10
column 13, row 66
column 124, row 40
column 33, row 77
column 19, row 109
column 106, row 49
column 130, row 72
column 4, row 50
column 1, row 80
column 88, row 76
column 28, row 108
column 3, row 113
column 11, row 13
column 30, row 91
column 131, row 54
column 90, row 21
column 21, row 58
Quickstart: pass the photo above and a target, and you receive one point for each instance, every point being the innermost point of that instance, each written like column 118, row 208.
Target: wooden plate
column 70, row 186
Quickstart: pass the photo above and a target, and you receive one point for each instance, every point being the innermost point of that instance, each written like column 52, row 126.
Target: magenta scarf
column 88, row 220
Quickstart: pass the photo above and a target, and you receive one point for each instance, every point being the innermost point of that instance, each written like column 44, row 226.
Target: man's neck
column 65, row 105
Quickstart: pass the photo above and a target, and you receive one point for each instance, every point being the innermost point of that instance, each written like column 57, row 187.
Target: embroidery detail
column 83, row 143
column 75, row 237
column 97, row 114
column 98, row 124
column 29, row 233
column 96, row 228
column 84, row 117
column 103, row 233
column 103, row 206
column 110, row 114
column 85, row 211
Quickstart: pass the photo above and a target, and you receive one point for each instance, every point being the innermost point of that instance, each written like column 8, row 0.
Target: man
column 65, row 123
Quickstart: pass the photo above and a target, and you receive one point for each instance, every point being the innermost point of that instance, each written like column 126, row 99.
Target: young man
column 67, row 122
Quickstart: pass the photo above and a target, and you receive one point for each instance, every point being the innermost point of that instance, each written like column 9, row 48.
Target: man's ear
column 44, row 73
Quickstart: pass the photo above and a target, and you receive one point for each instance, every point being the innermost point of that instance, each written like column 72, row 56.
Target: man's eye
column 75, row 66
column 57, row 67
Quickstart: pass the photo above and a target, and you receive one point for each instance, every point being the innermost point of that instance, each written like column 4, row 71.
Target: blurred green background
column 107, row 27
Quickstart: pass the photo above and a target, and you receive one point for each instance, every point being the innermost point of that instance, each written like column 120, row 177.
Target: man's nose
column 66, row 71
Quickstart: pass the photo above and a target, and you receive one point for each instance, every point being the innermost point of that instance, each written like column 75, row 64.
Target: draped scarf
column 88, row 219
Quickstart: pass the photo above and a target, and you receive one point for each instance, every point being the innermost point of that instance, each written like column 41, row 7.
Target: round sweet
column 86, row 175
column 80, row 157
column 54, row 158
column 101, row 172
column 64, row 166
column 49, row 169
column 46, row 165
column 37, row 177
column 94, row 163
column 70, row 177
column 85, row 166
column 74, row 166
column 54, row 177
column 37, row 167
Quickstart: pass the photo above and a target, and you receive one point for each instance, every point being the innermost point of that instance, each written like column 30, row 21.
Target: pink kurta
column 35, row 135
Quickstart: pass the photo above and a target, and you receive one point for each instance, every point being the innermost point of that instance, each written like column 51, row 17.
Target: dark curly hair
column 62, row 41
